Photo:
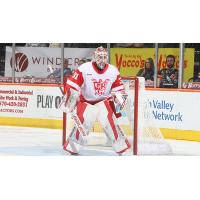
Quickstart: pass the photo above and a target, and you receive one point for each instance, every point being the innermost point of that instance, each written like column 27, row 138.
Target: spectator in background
column 81, row 61
column 67, row 70
column 148, row 71
column 84, row 60
column 169, row 75
column 57, row 73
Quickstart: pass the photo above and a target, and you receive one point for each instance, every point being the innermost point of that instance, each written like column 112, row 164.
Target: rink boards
column 174, row 111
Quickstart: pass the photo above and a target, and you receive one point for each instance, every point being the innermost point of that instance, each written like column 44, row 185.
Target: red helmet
column 101, row 57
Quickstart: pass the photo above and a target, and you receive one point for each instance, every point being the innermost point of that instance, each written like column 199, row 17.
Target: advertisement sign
column 191, row 85
column 130, row 60
column 34, row 61
column 175, row 110
column 39, row 102
column 37, row 106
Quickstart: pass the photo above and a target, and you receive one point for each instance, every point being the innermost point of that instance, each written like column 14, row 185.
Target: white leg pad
column 73, row 145
column 111, row 128
column 121, row 145
column 87, row 114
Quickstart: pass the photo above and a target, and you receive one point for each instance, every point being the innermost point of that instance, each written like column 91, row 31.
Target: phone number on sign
column 11, row 103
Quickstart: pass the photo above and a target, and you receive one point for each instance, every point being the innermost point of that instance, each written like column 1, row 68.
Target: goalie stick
column 73, row 114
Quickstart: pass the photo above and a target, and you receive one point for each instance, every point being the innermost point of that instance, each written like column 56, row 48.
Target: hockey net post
column 135, row 131
column 135, row 87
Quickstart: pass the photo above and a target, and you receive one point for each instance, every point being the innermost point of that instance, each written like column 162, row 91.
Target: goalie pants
column 104, row 113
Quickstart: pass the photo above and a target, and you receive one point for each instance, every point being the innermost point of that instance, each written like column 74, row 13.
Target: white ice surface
column 25, row 141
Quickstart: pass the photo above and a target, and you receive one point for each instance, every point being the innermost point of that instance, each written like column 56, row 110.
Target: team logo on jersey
column 100, row 86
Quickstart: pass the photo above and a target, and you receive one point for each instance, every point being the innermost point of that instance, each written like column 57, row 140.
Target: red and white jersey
column 95, row 85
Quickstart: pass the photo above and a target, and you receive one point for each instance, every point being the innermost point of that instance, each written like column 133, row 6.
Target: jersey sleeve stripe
column 74, row 85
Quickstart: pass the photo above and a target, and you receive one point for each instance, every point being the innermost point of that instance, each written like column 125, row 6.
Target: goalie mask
column 100, row 57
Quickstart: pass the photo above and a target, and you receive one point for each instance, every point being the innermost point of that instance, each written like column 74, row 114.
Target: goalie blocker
column 104, row 112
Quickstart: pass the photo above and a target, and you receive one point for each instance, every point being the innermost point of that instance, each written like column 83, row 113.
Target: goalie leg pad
column 112, row 130
column 87, row 114
column 81, row 107
column 71, row 146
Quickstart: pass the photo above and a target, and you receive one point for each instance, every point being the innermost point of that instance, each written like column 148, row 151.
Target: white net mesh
column 150, row 138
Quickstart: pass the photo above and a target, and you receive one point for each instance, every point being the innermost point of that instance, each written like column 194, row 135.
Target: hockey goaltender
column 91, row 92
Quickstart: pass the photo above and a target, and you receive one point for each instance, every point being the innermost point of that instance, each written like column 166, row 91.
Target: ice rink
column 23, row 141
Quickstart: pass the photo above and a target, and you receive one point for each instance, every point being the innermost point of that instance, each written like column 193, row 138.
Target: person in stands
column 57, row 73
column 169, row 75
column 148, row 71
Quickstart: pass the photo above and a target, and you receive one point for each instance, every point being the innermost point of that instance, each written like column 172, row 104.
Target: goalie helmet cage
column 147, row 138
